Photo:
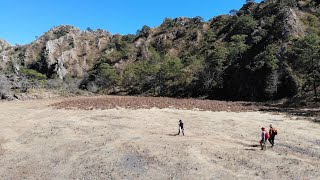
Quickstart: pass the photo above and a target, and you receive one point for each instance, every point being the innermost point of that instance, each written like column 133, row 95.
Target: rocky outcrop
column 4, row 45
column 7, row 85
column 63, row 50
column 293, row 27
column 68, row 50
column 4, row 55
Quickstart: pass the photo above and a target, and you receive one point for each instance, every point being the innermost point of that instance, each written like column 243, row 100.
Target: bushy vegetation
column 160, row 75
column 33, row 74
column 306, row 62
column 101, row 79
column 242, row 56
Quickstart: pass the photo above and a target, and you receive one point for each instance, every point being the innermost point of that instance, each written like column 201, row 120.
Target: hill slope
column 252, row 54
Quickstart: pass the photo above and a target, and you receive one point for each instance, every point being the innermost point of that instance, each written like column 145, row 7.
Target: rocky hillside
column 254, row 53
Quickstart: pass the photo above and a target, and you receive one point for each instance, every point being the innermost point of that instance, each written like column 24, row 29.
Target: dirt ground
column 40, row 139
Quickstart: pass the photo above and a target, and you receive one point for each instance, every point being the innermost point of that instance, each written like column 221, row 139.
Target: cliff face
column 64, row 50
column 4, row 53
column 240, row 56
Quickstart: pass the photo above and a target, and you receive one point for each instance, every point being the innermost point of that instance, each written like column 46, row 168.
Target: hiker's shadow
column 247, row 149
column 250, row 147
column 254, row 145
column 172, row 134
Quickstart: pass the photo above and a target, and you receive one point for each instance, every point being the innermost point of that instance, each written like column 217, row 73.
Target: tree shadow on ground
column 310, row 113
column 305, row 106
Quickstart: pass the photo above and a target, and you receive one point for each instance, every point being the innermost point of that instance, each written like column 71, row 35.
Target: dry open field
column 82, row 138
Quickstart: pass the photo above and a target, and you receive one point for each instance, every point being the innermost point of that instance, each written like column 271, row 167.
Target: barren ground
column 81, row 138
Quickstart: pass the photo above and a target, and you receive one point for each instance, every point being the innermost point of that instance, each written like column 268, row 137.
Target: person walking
column 272, row 132
column 264, row 137
column 181, row 129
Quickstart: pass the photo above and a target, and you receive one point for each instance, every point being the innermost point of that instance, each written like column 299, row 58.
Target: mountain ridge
column 242, row 56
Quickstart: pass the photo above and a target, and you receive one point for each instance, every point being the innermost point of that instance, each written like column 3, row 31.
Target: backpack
column 274, row 132
column 267, row 136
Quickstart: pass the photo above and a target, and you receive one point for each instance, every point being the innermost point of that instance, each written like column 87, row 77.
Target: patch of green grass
column 312, row 22
column 30, row 73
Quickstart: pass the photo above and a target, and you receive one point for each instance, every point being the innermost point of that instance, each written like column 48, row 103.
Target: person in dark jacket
column 181, row 129
column 272, row 132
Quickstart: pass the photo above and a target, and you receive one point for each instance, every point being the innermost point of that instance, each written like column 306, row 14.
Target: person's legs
column 271, row 140
column 263, row 144
column 182, row 131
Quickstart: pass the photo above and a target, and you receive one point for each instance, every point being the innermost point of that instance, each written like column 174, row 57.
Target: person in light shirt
column 264, row 137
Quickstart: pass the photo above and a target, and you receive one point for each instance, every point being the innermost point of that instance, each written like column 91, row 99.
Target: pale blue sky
column 22, row 20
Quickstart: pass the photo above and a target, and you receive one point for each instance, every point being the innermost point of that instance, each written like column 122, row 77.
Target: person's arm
column 263, row 135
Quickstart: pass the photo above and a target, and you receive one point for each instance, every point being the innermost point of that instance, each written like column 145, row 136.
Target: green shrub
column 244, row 25
column 30, row 73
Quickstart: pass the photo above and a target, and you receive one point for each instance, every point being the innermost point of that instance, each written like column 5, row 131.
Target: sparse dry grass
column 39, row 141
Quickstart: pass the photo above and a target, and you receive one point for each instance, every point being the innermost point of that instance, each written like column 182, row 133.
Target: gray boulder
column 5, row 88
